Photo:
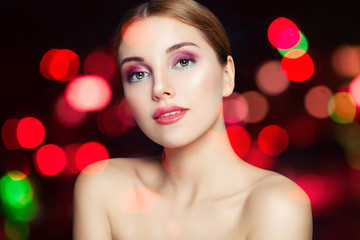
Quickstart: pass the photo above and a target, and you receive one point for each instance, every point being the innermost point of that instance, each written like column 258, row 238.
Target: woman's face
column 172, row 80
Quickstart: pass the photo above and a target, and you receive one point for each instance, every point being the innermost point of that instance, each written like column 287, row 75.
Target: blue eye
column 137, row 76
column 184, row 63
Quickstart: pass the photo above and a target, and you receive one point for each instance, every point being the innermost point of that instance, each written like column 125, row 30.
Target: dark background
column 30, row 28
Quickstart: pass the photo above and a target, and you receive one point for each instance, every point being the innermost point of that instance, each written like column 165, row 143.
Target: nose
column 162, row 87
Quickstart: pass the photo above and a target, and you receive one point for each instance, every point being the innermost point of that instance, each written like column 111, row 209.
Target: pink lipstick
column 169, row 114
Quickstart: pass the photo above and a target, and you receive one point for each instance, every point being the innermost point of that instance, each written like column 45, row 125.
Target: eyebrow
column 169, row 50
column 131, row 59
column 180, row 45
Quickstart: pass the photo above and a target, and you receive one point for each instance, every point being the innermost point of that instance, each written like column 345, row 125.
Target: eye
column 184, row 63
column 137, row 76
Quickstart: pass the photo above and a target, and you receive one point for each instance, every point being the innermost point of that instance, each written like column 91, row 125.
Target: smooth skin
column 199, row 188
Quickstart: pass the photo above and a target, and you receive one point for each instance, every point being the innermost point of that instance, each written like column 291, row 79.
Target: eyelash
column 132, row 79
column 188, row 58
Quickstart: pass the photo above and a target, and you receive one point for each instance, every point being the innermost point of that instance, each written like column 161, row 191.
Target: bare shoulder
column 99, row 176
column 278, row 209
column 94, row 187
column 102, row 175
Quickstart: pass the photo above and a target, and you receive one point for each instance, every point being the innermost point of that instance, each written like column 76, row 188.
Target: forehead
column 158, row 33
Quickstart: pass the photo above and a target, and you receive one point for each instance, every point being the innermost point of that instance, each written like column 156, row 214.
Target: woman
column 176, row 67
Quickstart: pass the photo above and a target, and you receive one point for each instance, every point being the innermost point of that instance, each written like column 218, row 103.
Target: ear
column 229, row 77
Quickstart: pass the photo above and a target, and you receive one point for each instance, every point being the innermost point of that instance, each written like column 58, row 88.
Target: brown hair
column 188, row 12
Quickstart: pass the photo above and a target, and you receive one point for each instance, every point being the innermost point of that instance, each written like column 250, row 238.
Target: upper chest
column 145, row 215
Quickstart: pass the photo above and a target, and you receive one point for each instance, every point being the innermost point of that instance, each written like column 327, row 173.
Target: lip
column 172, row 114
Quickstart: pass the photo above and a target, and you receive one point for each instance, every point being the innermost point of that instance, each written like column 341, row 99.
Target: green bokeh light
column 15, row 193
column 302, row 45
column 16, row 230
column 18, row 203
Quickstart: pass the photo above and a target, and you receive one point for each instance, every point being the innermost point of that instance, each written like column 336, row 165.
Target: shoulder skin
column 90, row 193
column 278, row 209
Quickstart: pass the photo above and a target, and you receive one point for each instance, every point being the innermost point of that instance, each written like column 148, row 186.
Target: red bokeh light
column 283, row 33
column 258, row 106
column 130, row 33
column 298, row 69
column 235, row 108
column 99, row 63
column 325, row 190
column 90, row 153
column 50, row 160
column 273, row 140
column 8, row 134
column 62, row 65
column 30, row 132
column 270, row 79
column 313, row 186
column 240, row 139
column 116, row 120
column 317, row 100
column 66, row 115
column 257, row 158
column 88, row 93
column 354, row 90
column 70, row 152
column 346, row 60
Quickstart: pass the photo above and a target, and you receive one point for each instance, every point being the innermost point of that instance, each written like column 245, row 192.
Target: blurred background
column 295, row 110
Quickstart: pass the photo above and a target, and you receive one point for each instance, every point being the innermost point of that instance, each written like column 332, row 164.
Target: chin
column 172, row 143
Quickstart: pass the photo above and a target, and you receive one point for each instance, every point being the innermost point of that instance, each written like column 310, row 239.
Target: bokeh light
column 88, row 93
column 130, row 33
column 297, row 69
column 30, row 132
column 302, row 45
column 342, row 108
column 99, row 63
column 137, row 200
column 273, row 140
column 317, row 100
column 17, row 196
column 346, row 61
column 301, row 131
column 62, row 65
column 257, row 158
column 348, row 136
column 116, row 120
column 15, row 193
column 354, row 90
column 66, row 115
column 16, row 230
column 314, row 187
column 325, row 190
column 240, row 139
column 70, row 152
column 283, row 33
column 235, row 108
column 50, row 160
column 258, row 106
column 8, row 134
column 270, row 79
column 92, row 158
column 353, row 158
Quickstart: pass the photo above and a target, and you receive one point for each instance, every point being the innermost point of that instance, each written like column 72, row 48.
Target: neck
column 201, row 168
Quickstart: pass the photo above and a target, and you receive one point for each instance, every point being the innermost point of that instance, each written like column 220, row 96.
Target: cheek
column 136, row 102
column 203, row 83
